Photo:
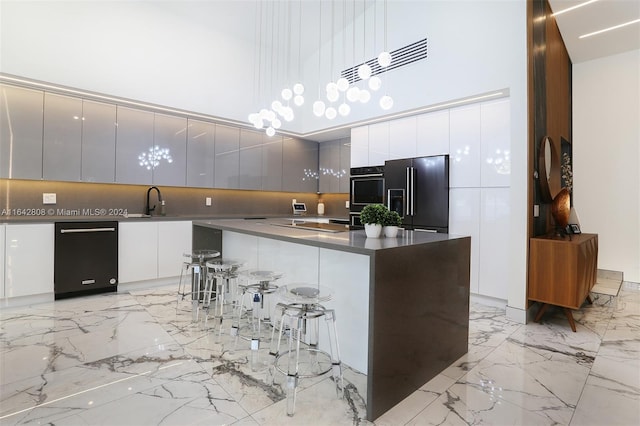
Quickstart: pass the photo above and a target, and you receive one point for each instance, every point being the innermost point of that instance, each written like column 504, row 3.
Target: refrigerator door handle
column 408, row 192
column 413, row 195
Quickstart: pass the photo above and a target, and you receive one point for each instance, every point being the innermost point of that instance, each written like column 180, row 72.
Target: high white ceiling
column 593, row 17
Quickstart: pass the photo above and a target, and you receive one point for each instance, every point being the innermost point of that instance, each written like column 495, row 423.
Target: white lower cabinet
column 28, row 259
column 2, row 260
column 152, row 250
column 137, row 251
column 174, row 240
column 464, row 219
column 494, row 242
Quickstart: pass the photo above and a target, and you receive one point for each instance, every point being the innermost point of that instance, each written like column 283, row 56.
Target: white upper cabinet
column 432, row 133
column 496, row 150
column 62, row 138
column 403, row 138
column 360, row 146
column 378, row 143
column 464, row 147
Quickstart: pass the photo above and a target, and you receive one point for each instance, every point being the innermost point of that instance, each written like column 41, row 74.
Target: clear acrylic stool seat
column 301, row 313
column 195, row 263
column 260, row 285
column 221, row 284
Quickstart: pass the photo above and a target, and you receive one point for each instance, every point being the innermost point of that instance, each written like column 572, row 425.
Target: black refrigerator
column 418, row 189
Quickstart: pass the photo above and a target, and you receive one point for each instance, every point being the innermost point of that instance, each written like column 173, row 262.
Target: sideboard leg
column 541, row 311
column 569, row 315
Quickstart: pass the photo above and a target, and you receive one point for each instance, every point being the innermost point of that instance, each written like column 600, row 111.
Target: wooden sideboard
column 562, row 271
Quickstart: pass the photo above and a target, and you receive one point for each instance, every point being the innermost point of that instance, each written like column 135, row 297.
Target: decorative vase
column 390, row 231
column 560, row 208
column 373, row 230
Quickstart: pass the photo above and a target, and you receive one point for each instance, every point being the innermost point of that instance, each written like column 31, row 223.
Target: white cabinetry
column 464, row 146
column 360, row 146
column 432, row 133
column 496, row 143
column 137, row 251
column 378, row 143
column 152, row 250
column 494, row 241
column 403, row 138
column 477, row 139
column 464, row 219
column 2, row 260
column 28, row 259
column 174, row 240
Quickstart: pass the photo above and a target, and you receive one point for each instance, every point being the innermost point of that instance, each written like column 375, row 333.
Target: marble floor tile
column 137, row 358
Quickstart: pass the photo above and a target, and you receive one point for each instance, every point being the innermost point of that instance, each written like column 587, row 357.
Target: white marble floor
column 130, row 359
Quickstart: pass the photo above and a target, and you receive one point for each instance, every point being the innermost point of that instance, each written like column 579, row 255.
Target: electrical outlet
column 346, row 204
column 207, row 201
column 48, row 198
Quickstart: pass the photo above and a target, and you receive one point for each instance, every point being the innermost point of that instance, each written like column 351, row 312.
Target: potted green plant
column 371, row 217
column 390, row 223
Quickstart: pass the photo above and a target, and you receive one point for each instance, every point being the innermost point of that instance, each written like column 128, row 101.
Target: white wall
column 181, row 54
column 176, row 54
column 606, row 149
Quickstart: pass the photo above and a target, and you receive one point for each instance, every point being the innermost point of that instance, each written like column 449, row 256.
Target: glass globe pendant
column 384, row 59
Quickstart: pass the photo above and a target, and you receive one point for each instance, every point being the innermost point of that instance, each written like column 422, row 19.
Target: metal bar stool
column 301, row 313
column 194, row 262
column 260, row 311
column 223, row 273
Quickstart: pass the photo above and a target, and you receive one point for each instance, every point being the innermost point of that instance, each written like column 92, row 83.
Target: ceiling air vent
column 403, row 56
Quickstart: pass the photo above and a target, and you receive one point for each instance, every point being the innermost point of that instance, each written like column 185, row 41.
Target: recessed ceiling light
column 560, row 12
column 615, row 27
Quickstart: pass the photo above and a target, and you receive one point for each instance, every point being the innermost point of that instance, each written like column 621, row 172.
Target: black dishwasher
column 86, row 258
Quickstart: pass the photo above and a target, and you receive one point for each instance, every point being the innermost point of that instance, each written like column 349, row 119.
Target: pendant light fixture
column 384, row 60
column 318, row 106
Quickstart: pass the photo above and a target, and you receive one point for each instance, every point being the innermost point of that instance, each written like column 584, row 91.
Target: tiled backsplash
column 20, row 198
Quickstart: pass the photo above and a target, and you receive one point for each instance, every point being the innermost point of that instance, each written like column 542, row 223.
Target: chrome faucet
column 149, row 209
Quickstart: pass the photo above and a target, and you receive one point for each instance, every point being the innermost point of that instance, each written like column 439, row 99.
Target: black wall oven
column 367, row 187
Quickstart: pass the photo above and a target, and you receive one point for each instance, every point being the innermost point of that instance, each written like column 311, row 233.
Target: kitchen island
column 402, row 304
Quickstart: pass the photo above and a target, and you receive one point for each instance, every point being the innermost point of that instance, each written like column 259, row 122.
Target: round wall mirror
column 548, row 169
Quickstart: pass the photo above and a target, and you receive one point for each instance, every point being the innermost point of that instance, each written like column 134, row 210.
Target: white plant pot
column 390, row 231
column 373, row 230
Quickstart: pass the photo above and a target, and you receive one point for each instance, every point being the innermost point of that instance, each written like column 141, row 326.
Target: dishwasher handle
column 79, row 230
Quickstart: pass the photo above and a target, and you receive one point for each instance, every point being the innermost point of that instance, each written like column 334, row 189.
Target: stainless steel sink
column 314, row 226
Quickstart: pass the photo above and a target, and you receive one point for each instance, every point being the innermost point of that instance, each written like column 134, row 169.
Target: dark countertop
column 350, row 241
column 131, row 218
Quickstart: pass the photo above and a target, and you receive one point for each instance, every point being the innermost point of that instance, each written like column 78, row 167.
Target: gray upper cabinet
column 200, row 153
column 20, row 132
column 300, row 165
column 98, row 142
column 227, row 160
column 250, row 160
column 272, row 163
column 334, row 161
column 62, row 138
column 170, row 150
column 134, row 146
column 329, row 162
column 345, row 166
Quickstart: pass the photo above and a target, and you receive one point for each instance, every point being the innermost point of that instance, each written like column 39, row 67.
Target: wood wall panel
column 549, row 102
